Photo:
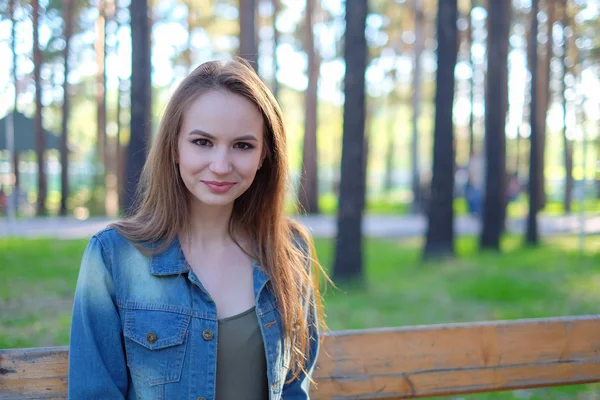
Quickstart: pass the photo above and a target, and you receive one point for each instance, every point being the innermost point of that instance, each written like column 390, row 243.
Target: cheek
column 190, row 159
column 250, row 165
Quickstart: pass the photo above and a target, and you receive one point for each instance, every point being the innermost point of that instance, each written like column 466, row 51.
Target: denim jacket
column 145, row 328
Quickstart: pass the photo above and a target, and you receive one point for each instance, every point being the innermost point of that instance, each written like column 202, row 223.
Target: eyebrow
column 208, row 135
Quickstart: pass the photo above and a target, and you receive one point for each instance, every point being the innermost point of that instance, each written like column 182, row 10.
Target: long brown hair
column 163, row 200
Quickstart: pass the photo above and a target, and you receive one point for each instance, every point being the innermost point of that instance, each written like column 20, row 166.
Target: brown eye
column 201, row 142
column 244, row 146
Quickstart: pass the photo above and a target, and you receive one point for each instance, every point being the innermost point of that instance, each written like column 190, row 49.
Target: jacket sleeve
column 97, row 366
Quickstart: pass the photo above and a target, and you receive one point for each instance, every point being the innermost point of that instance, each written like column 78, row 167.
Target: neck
column 208, row 226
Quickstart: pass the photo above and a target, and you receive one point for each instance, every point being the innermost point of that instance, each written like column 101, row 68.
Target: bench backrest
column 395, row 363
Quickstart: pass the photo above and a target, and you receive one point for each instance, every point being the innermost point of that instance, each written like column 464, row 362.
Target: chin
column 212, row 202
column 215, row 200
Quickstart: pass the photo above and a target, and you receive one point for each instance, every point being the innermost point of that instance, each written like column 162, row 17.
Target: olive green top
column 241, row 362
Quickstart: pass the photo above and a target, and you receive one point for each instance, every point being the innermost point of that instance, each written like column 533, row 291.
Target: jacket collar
column 171, row 261
column 260, row 279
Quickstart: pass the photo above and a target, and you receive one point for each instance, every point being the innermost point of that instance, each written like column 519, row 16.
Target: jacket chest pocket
column 155, row 342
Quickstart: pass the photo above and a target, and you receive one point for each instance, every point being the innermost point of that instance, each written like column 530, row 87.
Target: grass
column 39, row 277
column 554, row 279
column 36, row 291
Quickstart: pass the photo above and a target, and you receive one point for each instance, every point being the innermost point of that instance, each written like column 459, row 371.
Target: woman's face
column 220, row 147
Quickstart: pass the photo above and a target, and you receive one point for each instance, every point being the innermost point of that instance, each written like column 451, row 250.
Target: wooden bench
column 395, row 363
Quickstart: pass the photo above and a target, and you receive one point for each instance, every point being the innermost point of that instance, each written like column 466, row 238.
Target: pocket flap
column 155, row 329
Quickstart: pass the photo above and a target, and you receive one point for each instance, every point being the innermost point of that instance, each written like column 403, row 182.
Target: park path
column 320, row 226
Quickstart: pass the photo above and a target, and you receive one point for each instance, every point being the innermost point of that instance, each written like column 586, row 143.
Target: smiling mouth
column 219, row 183
column 219, row 187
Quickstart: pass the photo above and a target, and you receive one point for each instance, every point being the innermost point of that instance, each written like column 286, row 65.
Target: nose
column 220, row 164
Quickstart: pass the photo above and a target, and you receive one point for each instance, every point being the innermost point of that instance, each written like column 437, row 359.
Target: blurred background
column 460, row 138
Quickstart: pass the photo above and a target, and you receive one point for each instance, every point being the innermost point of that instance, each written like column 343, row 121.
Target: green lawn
column 39, row 276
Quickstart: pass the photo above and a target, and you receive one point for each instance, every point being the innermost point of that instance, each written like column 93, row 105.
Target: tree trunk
column 122, row 147
column 367, row 145
column 141, row 95
column 12, row 204
column 111, row 145
column 39, row 130
column 13, row 39
column 348, row 252
column 100, row 48
column 567, row 144
column 494, row 206
column 390, row 151
column 276, row 11
column 111, row 181
column 248, row 40
column 472, row 81
column 543, row 104
column 417, row 205
column 308, row 190
column 532, row 228
column 16, row 160
column 64, row 142
column 120, row 162
column 439, row 240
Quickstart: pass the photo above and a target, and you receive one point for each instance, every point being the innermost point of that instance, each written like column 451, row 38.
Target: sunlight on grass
column 587, row 288
column 400, row 290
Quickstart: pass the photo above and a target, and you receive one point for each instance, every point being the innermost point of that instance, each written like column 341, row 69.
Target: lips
column 219, row 187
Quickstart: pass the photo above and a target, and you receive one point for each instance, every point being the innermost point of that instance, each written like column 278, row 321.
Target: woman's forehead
column 221, row 113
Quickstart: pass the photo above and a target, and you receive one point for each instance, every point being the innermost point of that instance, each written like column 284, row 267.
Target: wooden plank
column 34, row 373
column 395, row 363
column 442, row 360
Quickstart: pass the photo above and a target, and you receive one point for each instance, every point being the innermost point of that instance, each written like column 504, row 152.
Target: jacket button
column 207, row 334
column 151, row 338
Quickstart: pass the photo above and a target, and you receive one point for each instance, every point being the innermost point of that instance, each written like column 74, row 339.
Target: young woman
column 206, row 291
